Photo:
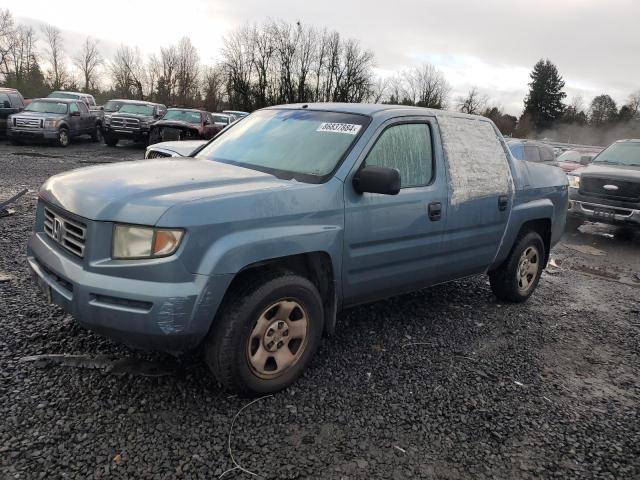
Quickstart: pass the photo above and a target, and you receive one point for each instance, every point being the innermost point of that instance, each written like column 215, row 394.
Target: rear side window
column 406, row 147
column 547, row 154
column 531, row 153
column 83, row 107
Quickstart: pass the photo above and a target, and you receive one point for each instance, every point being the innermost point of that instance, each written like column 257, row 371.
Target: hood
column 621, row 172
column 181, row 147
column 40, row 115
column 140, row 192
column 177, row 124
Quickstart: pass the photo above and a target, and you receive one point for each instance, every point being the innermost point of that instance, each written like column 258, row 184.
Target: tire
column 63, row 137
column 97, row 135
column 154, row 137
column 573, row 223
column 112, row 142
column 15, row 142
column 517, row 278
column 243, row 348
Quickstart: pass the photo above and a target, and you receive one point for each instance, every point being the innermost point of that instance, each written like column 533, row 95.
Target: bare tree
column 88, row 62
column 473, row 103
column 213, row 89
column 187, row 72
column 634, row 103
column 128, row 73
column 58, row 73
column 427, row 87
column 7, row 36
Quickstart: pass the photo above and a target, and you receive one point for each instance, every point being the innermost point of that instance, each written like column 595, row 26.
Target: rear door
column 480, row 194
column 392, row 243
column 75, row 119
column 87, row 119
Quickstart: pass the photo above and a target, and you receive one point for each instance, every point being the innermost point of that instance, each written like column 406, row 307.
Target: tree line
column 277, row 62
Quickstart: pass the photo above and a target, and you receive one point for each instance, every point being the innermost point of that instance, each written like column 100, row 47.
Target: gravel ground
column 444, row 383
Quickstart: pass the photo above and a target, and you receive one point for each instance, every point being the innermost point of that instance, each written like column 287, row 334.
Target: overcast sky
column 490, row 44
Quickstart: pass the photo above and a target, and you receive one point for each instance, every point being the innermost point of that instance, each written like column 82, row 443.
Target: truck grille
column 28, row 122
column 626, row 190
column 71, row 235
column 123, row 122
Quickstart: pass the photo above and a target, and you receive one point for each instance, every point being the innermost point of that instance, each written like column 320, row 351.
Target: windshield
column 182, row 116
column 112, row 106
column 301, row 144
column 137, row 109
column 624, row 153
column 71, row 96
column 220, row 119
column 574, row 156
column 46, row 107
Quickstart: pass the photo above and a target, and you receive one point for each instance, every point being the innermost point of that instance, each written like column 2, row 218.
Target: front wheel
column 266, row 334
column 154, row 137
column 110, row 141
column 517, row 278
column 63, row 137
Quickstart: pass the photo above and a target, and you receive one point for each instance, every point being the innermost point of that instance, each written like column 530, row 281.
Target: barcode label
column 348, row 128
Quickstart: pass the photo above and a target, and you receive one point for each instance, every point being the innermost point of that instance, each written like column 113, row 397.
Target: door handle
column 503, row 202
column 435, row 211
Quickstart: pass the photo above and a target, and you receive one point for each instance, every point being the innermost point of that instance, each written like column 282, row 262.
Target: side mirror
column 207, row 122
column 585, row 160
column 6, row 104
column 75, row 114
column 382, row 180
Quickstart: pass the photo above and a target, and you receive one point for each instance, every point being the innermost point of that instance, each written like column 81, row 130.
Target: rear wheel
column 97, row 135
column 266, row 334
column 517, row 278
column 63, row 137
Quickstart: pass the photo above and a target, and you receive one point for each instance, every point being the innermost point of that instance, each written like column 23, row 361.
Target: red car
column 183, row 124
column 579, row 157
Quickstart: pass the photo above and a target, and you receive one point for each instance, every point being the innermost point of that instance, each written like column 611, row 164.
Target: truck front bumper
column 35, row 134
column 126, row 134
column 597, row 212
column 148, row 314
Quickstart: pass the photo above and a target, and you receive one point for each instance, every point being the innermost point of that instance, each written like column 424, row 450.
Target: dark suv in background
column 11, row 102
column 131, row 121
column 532, row 151
column 608, row 190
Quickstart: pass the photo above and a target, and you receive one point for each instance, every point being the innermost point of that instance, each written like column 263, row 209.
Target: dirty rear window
column 70, row 96
column 46, row 107
column 301, row 144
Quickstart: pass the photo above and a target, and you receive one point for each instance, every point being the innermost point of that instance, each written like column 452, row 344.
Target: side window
column 547, row 154
column 73, row 107
column 531, row 153
column 4, row 101
column 16, row 101
column 406, row 147
column 83, row 107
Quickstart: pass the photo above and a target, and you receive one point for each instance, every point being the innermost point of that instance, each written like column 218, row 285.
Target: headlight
column 574, row 181
column 107, row 119
column 131, row 241
column 50, row 123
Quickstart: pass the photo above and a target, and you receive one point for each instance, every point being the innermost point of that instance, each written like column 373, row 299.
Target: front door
column 392, row 242
column 75, row 120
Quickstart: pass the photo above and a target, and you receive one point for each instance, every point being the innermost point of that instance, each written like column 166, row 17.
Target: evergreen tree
column 543, row 104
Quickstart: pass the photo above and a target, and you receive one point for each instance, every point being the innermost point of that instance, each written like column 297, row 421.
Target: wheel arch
column 316, row 266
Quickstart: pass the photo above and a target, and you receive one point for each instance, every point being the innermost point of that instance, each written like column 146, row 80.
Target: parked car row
column 63, row 116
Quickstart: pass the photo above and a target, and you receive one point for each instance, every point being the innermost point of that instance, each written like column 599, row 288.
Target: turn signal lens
column 166, row 242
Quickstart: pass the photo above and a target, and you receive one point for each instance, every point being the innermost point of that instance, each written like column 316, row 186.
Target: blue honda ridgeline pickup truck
column 250, row 246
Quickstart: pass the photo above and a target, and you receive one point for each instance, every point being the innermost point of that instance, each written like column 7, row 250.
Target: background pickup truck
column 11, row 102
column 608, row 190
column 131, row 121
column 54, row 120
column 250, row 247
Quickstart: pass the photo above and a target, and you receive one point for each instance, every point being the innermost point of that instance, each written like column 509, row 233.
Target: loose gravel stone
column 442, row 383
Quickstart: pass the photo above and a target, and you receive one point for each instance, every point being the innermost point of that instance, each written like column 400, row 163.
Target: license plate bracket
column 603, row 213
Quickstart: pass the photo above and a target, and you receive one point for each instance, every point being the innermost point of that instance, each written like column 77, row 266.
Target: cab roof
column 375, row 109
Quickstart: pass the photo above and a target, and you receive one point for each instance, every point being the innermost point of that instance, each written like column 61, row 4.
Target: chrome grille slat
column 69, row 234
column 28, row 122
column 123, row 122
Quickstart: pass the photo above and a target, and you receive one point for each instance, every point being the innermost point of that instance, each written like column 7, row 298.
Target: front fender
column 231, row 253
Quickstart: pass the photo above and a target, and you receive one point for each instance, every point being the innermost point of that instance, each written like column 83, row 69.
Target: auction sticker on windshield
column 348, row 128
